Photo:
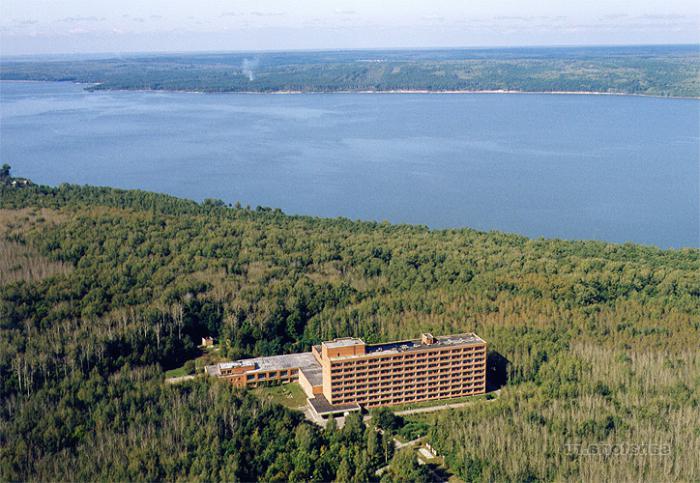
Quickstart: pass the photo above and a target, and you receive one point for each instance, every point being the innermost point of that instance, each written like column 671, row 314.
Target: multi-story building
column 402, row 372
column 344, row 374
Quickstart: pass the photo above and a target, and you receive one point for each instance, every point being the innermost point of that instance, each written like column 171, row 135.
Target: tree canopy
column 593, row 342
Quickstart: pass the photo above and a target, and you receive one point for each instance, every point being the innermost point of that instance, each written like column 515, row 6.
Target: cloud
column 614, row 16
column 314, row 22
column 126, row 16
column 254, row 13
column 670, row 16
column 345, row 12
column 629, row 25
column 77, row 19
column 529, row 18
column 650, row 21
column 267, row 14
column 512, row 18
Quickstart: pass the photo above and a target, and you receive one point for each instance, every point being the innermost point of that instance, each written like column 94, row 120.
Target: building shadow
column 496, row 371
column 438, row 472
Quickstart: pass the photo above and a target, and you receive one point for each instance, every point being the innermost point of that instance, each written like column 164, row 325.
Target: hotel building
column 345, row 374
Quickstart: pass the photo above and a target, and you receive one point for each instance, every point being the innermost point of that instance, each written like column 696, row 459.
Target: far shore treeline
column 672, row 70
column 101, row 290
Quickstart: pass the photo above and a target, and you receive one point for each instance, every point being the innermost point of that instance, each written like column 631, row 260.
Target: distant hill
column 642, row 70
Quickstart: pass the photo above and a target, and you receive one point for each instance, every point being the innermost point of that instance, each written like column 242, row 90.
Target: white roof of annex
column 269, row 363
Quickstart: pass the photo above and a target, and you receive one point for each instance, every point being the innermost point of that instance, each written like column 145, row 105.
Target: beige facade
column 310, row 381
column 347, row 372
column 403, row 372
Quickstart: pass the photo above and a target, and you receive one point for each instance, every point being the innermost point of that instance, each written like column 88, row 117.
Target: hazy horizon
column 341, row 49
column 40, row 27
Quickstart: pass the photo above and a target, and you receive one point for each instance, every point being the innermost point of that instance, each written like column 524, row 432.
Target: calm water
column 577, row 167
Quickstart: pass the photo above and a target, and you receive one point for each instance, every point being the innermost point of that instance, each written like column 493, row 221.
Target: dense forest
column 101, row 290
column 644, row 70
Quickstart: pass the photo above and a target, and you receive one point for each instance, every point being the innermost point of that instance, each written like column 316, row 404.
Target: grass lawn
column 437, row 402
column 290, row 395
column 208, row 355
column 400, row 438
column 179, row 372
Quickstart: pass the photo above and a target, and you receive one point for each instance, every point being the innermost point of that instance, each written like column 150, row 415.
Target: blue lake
column 611, row 168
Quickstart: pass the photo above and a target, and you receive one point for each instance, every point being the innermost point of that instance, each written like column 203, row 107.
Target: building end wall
column 310, row 390
column 348, row 346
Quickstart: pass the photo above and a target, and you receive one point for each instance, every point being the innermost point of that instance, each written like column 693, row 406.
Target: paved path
column 381, row 470
column 398, row 444
column 176, row 380
column 440, row 407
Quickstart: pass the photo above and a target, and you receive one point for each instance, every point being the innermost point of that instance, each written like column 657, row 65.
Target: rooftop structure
column 344, row 342
column 343, row 374
column 423, row 343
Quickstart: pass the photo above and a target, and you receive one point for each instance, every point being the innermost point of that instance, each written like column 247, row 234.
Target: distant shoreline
column 391, row 91
column 427, row 91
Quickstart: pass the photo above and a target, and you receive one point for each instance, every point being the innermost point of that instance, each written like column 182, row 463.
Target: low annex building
column 345, row 374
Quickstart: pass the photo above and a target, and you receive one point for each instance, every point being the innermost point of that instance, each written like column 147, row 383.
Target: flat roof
column 212, row 370
column 344, row 342
column 314, row 374
column 268, row 363
column 417, row 344
column 320, row 404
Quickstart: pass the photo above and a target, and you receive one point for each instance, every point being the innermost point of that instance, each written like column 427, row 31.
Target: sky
column 109, row 26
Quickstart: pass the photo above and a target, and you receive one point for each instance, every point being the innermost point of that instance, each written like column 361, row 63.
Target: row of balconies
column 393, row 387
column 402, row 367
column 424, row 375
column 402, row 360
column 425, row 390
column 380, row 387
column 408, row 380
column 410, row 356
column 385, row 402
column 410, row 369
column 388, row 362
column 404, row 391
column 374, row 377
column 398, row 383
column 396, row 399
